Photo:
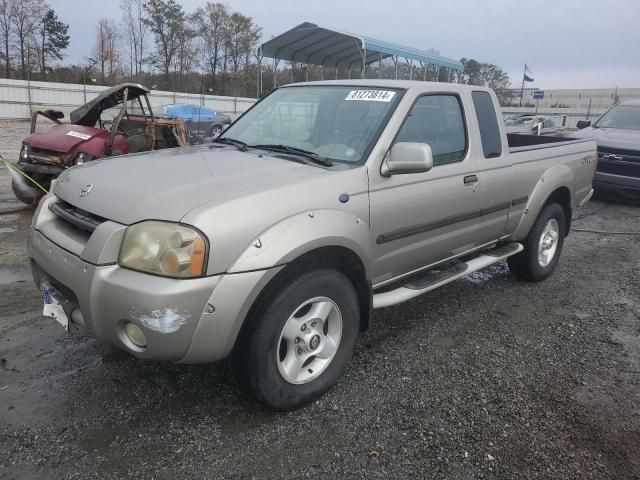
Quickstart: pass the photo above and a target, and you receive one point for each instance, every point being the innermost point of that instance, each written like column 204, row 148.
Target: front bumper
column 609, row 182
column 184, row 320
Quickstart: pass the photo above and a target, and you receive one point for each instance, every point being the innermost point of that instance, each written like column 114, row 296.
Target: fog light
column 135, row 334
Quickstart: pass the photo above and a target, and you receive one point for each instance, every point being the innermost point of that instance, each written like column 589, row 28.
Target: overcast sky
column 566, row 43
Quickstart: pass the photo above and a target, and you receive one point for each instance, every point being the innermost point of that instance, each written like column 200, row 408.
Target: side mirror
column 583, row 124
column 407, row 157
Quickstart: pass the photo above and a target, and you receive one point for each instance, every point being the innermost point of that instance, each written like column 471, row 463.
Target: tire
column 537, row 261
column 215, row 131
column 285, row 373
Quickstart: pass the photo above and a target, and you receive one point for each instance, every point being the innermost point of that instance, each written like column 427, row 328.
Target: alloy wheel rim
column 309, row 340
column 548, row 244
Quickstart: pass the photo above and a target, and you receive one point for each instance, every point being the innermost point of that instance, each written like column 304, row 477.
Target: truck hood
column 166, row 184
column 63, row 138
column 612, row 137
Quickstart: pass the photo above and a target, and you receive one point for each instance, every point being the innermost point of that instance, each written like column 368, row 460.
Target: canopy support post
column 395, row 61
column 259, row 74
column 275, row 75
column 410, row 68
column 364, row 61
column 380, row 66
column 307, row 74
column 321, row 72
column 291, row 72
column 424, row 72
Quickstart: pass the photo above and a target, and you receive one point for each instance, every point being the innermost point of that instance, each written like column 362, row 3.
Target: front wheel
column 300, row 341
column 542, row 247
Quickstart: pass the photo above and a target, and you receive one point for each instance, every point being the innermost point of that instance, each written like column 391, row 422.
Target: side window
column 488, row 122
column 438, row 121
column 548, row 124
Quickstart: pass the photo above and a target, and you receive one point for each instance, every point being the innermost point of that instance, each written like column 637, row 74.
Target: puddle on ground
column 7, row 277
column 488, row 273
column 8, row 218
column 7, row 229
column 445, row 341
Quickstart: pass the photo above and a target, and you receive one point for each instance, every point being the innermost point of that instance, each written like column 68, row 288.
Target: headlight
column 24, row 154
column 164, row 248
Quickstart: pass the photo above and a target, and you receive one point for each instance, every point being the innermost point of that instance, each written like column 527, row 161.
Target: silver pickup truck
column 273, row 244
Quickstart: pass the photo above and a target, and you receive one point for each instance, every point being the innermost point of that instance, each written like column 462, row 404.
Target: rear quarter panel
column 540, row 171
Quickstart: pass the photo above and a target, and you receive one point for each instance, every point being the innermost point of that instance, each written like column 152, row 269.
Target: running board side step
column 432, row 279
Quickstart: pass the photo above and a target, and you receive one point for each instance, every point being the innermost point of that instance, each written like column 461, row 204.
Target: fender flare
column 303, row 232
column 555, row 177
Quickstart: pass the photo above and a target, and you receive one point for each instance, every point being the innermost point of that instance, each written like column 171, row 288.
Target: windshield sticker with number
column 371, row 95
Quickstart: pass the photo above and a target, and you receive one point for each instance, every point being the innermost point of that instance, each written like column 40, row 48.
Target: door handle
column 470, row 179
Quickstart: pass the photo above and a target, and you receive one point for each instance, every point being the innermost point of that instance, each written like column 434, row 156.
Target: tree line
column 32, row 37
column 210, row 50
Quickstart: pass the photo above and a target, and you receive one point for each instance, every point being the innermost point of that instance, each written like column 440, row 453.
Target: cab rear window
column 488, row 123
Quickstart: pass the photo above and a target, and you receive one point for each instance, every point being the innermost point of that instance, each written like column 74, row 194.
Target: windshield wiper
column 232, row 141
column 314, row 157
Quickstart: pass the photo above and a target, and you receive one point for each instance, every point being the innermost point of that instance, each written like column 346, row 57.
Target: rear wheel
column 300, row 341
column 542, row 247
column 215, row 131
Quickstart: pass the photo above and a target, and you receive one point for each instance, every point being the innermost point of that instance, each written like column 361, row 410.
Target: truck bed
column 519, row 143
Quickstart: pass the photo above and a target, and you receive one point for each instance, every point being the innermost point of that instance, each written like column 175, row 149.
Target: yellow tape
column 13, row 167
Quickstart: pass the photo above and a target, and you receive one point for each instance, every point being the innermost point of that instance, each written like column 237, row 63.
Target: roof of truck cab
column 383, row 83
column 634, row 102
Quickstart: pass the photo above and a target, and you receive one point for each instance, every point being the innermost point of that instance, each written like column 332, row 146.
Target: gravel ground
column 487, row 377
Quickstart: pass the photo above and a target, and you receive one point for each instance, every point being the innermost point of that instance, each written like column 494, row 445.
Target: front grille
column 79, row 218
column 619, row 161
column 40, row 155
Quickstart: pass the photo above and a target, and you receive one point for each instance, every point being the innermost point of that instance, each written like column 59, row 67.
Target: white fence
column 18, row 98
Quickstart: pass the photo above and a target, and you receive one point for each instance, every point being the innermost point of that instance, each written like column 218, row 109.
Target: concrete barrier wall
column 18, row 98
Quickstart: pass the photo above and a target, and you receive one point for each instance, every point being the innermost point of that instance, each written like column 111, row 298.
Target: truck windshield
column 334, row 122
column 623, row 116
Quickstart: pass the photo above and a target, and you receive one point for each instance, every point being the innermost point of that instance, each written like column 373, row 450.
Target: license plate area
column 55, row 305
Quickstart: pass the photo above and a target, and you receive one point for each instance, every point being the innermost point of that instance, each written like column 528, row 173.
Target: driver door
column 421, row 218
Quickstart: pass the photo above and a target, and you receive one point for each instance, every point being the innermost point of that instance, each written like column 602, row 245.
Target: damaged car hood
column 89, row 113
column 167, row 184
column 64, row 138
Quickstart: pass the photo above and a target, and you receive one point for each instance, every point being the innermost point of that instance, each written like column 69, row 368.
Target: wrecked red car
column 116, row 122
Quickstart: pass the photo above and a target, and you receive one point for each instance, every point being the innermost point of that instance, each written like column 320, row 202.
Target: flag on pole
column 527, row 74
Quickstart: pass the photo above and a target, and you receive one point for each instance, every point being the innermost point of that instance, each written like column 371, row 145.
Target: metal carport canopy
column 311, row 44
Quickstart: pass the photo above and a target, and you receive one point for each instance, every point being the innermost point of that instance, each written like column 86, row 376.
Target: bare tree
column 167, row 21
column 27, row 14
column 105, row 53
column 211, row 22
column 6, row 21
column 134, row 25
column 187, row 53
column 242, row 36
